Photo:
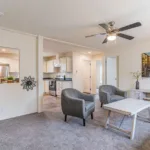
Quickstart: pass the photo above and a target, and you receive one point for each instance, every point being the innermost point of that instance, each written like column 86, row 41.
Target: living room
column 106, row 106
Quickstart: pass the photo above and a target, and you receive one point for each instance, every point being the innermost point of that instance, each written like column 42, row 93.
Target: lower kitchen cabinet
column 60, row 85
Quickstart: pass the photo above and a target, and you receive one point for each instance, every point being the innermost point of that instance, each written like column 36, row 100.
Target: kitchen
column 69, row 66
column 57, row 73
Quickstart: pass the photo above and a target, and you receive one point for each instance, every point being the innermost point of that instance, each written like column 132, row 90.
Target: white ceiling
column 71, row 20
column 9, row 53
column 5, row 50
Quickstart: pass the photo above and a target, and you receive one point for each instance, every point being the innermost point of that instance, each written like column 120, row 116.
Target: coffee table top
column 127, row 106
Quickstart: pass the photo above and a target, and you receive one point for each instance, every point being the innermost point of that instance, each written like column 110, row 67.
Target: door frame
column 99, row 72
column 117, row 69
column 90, row 80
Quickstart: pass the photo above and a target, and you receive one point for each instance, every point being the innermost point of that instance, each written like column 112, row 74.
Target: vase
column 137, row 85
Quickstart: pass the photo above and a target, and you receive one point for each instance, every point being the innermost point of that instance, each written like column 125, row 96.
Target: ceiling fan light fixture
column 111, row 37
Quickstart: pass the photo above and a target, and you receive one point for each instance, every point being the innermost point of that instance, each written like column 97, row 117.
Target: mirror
column 9, row 65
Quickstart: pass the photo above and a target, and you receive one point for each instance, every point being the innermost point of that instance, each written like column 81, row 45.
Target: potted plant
column 10, row 79
column 137, row 75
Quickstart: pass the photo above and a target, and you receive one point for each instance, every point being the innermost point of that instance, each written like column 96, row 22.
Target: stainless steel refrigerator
column 4, row 70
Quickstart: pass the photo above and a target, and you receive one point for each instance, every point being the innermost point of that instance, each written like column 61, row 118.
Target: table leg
column 149, row 112
column 133, row 127
column 146, row 119
column 108, row 117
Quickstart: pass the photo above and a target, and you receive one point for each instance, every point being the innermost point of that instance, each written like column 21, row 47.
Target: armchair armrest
column 121, row 93
column 104, row 97
column 88, row 97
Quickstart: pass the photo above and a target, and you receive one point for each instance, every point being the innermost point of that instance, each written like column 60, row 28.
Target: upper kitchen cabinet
column 44, row 66
column 69, row 64
column 50, row 66
column 63, row 63
column 66, row 64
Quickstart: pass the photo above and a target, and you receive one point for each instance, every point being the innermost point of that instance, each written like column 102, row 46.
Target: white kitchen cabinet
column 50, row 66
column 58, row 88
column 63, row 63
column 44, row 66
column 69, row 64
column 46, row 86
column 66, row 64
column 66, row 84
column 60, row 85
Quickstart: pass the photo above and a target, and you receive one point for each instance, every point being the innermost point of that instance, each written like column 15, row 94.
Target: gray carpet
column 48, row 131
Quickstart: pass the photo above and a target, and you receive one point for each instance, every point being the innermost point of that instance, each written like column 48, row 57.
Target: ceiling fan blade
column 105, row 26
column 94, row 35
column 105, row 41
column 134, row 25
column 125, row 36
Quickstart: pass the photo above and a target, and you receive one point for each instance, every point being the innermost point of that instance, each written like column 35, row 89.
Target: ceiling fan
column 112, row 32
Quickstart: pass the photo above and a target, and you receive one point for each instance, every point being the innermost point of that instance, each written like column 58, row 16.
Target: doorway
column 99, row 78
column 112, row 71
column 87, row 76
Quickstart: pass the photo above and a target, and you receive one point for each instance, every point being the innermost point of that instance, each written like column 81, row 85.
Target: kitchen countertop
column 58, row 79
column 67, row 79
column 47, row 78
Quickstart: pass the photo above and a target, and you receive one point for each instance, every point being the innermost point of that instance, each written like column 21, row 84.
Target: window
column 9, row 65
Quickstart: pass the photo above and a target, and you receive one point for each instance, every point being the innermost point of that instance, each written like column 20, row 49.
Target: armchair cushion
column 116, row 98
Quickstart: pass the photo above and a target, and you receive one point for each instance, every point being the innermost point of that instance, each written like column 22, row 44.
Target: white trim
column 47, row 38
column 69, row 43
column 17, row 31
column 40, row 84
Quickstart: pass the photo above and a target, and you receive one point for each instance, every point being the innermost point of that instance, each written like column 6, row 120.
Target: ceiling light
column 89, row 52
column 111, row 37
column 3, row 50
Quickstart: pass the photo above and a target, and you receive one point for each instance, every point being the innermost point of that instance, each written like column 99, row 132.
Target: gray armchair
column 77, row 104
column 109, row 94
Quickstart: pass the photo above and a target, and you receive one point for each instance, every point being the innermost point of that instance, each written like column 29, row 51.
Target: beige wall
column 14, row 101
column 130, row 61
column 78, row 70
column 93, row 65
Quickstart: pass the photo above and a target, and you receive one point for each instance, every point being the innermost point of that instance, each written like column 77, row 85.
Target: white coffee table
column 128, row 107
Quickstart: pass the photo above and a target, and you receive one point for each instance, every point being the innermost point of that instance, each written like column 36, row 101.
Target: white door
column 77, row 72
column 111, row 71
column 98, row 73
column 87, row 76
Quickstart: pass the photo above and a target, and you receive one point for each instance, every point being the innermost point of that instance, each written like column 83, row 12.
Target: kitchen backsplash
column 14, row 74
column 53, row 75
